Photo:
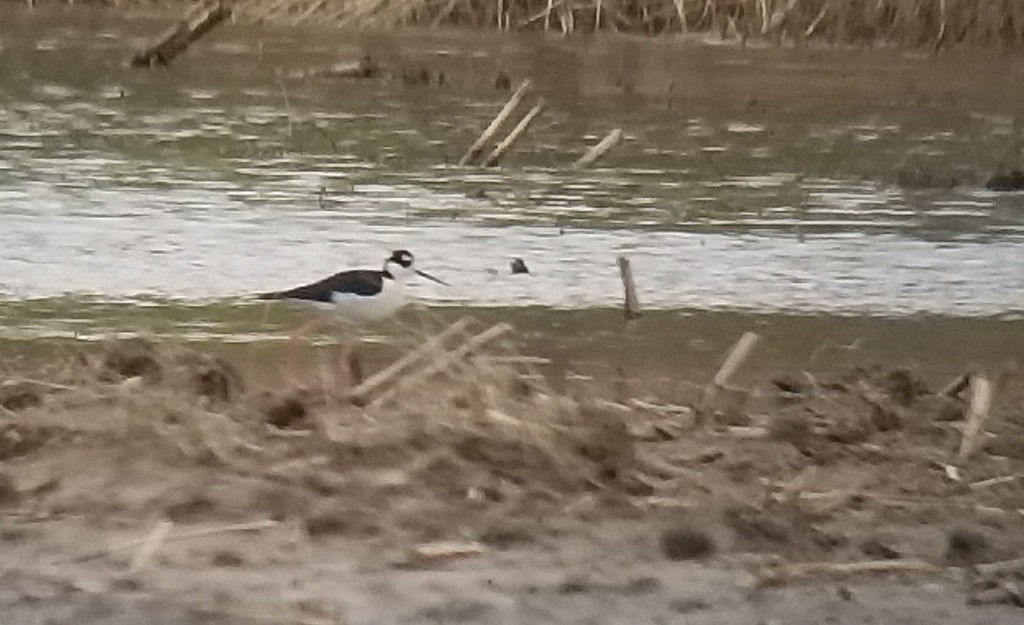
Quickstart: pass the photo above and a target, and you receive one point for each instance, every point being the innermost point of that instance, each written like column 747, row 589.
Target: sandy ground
column 149, row 483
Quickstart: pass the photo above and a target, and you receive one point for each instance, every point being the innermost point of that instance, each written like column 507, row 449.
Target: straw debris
column 933, row 23
column 462, row 416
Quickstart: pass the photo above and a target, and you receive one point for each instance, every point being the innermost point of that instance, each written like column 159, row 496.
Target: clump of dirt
column 129, row 359
column 8, row 492
column 856, row 407
column 686, row 543
column 335, row 518
column 18, row 395
column 18, row 439
column 782, row 529
column 1006, row 180
column 968, row 546
column 284, row 411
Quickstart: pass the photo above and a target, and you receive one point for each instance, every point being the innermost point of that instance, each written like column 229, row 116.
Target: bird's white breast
column 363, row 309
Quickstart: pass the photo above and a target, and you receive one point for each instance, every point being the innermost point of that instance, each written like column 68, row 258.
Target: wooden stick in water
column 513, row 136
column 177, row 39
column 631, row 303
column 478, row 147
column 977, row 414
column 610, row 140
column 736, row 357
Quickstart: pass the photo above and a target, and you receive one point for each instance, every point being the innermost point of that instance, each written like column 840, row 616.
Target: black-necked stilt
column 355, row 297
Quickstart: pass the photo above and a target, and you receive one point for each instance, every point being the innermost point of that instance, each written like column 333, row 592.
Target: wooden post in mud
column 977, row 413
column 176, row 39
column 513, row 136
column 478, row 147
column 737, row 355
column 610, row 140
column 631, row 304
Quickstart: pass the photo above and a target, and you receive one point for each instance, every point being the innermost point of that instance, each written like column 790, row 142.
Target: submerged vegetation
column 935, row 23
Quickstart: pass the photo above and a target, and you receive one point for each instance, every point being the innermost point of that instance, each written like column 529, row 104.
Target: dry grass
column 909, row 22
column 481, row 447
column 480, row 412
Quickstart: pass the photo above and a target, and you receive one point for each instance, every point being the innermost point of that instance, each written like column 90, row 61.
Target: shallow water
column 764, row 180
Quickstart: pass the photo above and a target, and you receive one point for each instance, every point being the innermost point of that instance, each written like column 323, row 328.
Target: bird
column 354, row 297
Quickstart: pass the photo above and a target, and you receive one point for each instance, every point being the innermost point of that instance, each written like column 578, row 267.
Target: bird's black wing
column 357, row 282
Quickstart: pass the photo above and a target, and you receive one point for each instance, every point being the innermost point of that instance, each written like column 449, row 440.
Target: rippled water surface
column 834, row 181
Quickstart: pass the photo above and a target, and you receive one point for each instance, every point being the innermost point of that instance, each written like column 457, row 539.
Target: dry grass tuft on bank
column 935, row 23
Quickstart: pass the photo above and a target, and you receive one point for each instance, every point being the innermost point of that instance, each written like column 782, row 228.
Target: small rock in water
column 1012, row 180
column 502, row 82
column 518, row 265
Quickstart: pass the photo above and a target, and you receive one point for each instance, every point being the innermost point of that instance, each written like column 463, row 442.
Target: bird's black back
column 363, row 282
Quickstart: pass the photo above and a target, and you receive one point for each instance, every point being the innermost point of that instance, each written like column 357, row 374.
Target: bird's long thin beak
column 430, row 277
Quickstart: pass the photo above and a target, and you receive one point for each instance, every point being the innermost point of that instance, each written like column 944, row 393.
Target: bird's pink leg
column 350, row 364
column 293, row 345
column 355, row 365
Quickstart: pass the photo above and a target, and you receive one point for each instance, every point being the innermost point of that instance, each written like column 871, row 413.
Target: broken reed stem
column 150, row 545
column 178, row 38
column 739, row 353
column 736, row 357
column 474, row 151
column 977, row 414
column 445, row 360
column 253, row 526
column 513, row 136
column 957, row 386
column 995, row 481
column 1006, row 591
column 287, row 107
column 631, row 303
column 1001, row 567
column 218, row 615
column 391, row 371
column 313, row 8
column 788, row 572
column 610, row 140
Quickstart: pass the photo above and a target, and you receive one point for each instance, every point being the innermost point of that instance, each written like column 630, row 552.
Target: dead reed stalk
column 737, row 355
column 485, row 137
column 446, row 359
column 592, row 155
column 199, row 21
column 388, row 374
column 513, row 136
column 936, row 24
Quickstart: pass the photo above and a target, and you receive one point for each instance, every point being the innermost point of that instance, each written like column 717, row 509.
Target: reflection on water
column 750, row 179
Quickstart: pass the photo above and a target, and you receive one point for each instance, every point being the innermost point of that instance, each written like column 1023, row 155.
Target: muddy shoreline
column 186, row 483
column 663, row 344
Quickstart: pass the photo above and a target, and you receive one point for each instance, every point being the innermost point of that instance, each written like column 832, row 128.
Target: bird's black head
column 402, row 258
